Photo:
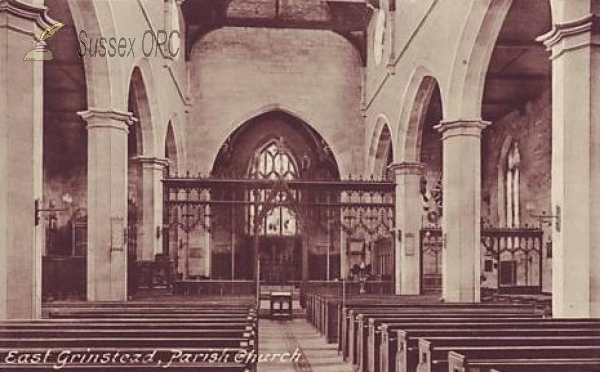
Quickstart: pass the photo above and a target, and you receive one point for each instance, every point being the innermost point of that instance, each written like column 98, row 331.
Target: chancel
column 412, row 180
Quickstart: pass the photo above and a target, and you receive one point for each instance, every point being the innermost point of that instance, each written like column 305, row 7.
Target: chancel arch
column 274, row 145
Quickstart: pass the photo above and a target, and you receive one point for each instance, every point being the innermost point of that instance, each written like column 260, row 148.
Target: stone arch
column 380, row 148
column 321, row 155
column 102, row 75
column 174, row 134
column 464, row 93
column 171, row 150
column 142, row 91
column 414, row 110
column 274, row 107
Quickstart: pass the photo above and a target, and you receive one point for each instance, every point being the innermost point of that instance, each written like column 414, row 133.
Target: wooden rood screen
column 304, row 224
column 511, row 260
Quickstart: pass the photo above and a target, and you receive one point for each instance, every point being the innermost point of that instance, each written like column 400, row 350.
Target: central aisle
column 277, row 337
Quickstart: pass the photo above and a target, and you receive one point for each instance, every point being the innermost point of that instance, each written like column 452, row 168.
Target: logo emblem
column 40, row 53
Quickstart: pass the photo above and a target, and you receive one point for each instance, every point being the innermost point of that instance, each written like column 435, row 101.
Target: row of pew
column 403, row 334
column 122, row 337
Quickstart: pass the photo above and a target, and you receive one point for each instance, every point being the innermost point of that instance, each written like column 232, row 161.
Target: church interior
column 356, row 166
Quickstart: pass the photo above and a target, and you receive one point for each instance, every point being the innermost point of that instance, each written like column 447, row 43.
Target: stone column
column 575, row 166
column 151, row 203
column 462, row 209
column 107, row 203
column 409, row 212
column 21, row 115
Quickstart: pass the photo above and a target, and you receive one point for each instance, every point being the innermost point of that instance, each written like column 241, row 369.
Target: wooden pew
column 499, row 326
column 140, row 316
column 150, row 310
column 350, row 316
column 132, row 332
column 325, row 308
column 540, row 359
column 406, row 343
column 369, row 340
column 575, row 363
column 493, row 341
column 358, row 329
column 113, row 329
column 93, row 324
column 147, row 359
column 198, row 303
column 369, row 337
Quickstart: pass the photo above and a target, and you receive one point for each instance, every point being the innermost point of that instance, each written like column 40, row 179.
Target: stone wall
column 531, row 128
column 239, row 73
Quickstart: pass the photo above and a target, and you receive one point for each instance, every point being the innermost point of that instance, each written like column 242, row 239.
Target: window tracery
column 274, row 162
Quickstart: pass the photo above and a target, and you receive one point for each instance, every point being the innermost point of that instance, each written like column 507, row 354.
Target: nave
column 365, row 333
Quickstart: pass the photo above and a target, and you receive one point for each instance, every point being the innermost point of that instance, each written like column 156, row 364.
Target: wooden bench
column 331, row 309
column 402, row 346
column 498, row 327
column 323, row 310
column 350, row 316
column 528, row 357
column 575, row 362
column 358, row 328
column 142, row 316
column 369, row 339
column 201, row 332
column 120, row 312
column 101, row 324
column 147, row 359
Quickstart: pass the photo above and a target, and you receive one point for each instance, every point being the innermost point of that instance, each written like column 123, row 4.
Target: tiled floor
column 297, row 336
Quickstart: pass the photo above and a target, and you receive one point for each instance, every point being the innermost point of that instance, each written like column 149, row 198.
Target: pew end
column 457, row 362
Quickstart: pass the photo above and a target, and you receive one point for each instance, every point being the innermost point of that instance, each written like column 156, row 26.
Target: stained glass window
column 273, row 162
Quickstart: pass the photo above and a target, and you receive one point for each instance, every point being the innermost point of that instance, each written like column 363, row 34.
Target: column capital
column 572, row 35
column 407, row 167
column 27, row 12
column 462, row 128
column 151, row 161
column 107, row 118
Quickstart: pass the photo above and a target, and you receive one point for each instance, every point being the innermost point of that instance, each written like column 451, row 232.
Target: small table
column 281, row 299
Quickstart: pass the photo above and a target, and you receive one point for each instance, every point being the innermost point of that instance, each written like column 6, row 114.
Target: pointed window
column 274, row 162
column 512, row 189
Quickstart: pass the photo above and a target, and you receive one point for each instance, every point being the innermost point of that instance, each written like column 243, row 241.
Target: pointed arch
column 103, row 76
column 380, row 148
column 143, row 103
column 464, row 93
column 414, row 111
column 176, row 127
column 320, row 151
column 171, row 150
column 299, row 117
